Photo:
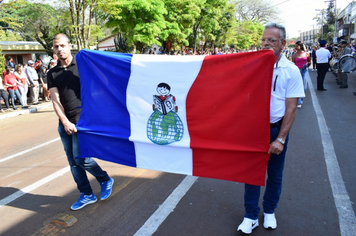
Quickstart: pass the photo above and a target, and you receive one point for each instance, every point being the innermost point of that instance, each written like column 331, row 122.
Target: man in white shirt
column 34, row 85
column 322, row 64
column 287, row 87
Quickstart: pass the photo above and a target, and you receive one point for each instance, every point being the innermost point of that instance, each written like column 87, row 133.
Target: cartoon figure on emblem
column 164, row 125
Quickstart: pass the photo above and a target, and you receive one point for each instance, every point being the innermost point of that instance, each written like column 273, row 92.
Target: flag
column 206, row 116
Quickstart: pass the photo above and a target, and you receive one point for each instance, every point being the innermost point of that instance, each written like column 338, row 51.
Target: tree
column 226, row 32
column 7, row 16
column 180, row 18
column 7, row 35
column 33, row 21
column 255, row 10
column 329, row 27
column 208, row 21
column 139, row 21
column 82, row 14
column 326, row 23
column 248, row 34
column 121, row 44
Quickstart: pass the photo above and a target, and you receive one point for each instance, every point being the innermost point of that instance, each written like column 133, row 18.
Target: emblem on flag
column 164, row 125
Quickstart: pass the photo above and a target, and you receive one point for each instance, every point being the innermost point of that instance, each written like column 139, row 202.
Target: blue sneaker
column 106, row 189
column 83, row 201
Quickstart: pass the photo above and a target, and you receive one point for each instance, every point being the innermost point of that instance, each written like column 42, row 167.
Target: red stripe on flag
column 228, row 117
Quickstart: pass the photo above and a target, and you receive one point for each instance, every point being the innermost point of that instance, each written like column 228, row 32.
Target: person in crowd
column 217, row 51
column 64, row 87
column 353, row 48
column 287, row 87
column 20, row 73
column 52, row 64
column 314, row 57
column 330, row 47
column 322, row 64
column 33, row 78
column 38, row 64
column 342, row 77
column 10, row 62
column 12, row 84
column 3, row 95
column 43, row 80
column 302, row 60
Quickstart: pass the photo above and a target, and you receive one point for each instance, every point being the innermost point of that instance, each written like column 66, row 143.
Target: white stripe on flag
column 146, row 73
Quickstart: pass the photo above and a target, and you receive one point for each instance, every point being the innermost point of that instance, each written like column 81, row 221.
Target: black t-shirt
column 66, row 80
column 43, row 75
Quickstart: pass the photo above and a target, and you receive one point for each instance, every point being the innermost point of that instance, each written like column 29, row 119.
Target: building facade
column 309, row 37
column 346, row 23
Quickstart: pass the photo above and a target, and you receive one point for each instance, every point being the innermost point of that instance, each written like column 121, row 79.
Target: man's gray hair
column 282, row 30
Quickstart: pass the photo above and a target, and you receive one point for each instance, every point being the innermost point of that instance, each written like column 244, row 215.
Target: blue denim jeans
column 3, row 94
column 304, row 73
column 12, row 94
column 78, row 166
column 273, row 185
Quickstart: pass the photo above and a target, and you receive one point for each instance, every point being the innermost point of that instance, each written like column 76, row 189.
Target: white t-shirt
column 287, row 82
column 1, row 85
column 322, row 55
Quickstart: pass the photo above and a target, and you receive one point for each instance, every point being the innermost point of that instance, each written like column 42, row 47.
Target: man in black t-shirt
column 64, row 87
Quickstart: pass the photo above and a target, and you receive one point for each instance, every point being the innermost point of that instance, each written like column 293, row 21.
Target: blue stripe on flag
column 104, row 112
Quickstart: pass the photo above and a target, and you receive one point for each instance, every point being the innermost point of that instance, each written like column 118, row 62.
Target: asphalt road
column 37, row 188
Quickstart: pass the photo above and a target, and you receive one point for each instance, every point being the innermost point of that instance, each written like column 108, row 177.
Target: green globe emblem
column 164, row 129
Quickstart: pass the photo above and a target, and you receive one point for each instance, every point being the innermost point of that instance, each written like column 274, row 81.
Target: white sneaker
column 247, row 225
column 270, row 221
column 299, row 106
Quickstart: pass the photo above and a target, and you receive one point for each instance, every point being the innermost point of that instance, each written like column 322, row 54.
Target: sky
column 297, row 15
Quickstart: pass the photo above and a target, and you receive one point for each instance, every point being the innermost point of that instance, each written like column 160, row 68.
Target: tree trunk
column 195, row 29
column 73, row 11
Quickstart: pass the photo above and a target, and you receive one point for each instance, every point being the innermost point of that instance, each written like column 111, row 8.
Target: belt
column 274, row 125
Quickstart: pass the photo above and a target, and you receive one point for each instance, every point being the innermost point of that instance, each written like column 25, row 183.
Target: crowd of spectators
column 188, row 51
column 23, row 83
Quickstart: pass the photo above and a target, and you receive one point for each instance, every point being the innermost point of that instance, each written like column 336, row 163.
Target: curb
column 23, row 112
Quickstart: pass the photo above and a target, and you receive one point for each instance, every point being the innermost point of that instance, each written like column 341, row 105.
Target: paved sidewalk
column 19, row 111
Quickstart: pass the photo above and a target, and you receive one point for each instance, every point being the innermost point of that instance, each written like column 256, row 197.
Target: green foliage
column 6, row 35
column 208, row 21
column 225, row 34
column 180, row 18
column 327, row 24
column 139, row 21
column 121, row 44
column 147, row 22
column 249, row 34
column 33, row 21
column 8, row 16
